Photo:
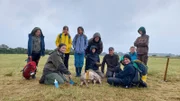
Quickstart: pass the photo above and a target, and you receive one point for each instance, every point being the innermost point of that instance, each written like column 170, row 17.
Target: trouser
column 36, row 57
column 50, row 78
column 143, row 58
column 66, row 60
column 115, row 81
column 99, row 73
column 109, row 73
column 79, row 62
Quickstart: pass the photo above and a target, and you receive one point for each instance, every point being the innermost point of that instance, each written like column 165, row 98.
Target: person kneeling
column 93, row 62
column 125, row 77
column 55, row 67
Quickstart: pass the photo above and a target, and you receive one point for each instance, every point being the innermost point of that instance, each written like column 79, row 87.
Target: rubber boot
column 80, row 69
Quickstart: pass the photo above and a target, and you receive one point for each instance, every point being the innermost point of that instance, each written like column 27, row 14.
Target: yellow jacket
column 66, row 39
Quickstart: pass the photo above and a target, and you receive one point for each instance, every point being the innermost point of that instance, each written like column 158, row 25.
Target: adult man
column 112, row 61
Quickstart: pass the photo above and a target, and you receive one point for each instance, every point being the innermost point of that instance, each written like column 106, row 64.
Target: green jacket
column 54, row 64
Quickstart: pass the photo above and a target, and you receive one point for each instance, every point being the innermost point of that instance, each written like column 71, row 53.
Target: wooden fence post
column 166, row 69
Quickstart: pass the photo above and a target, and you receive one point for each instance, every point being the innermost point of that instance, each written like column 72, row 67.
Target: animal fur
column 90, row 76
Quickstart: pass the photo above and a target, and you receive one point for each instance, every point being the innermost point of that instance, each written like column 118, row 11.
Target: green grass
column 13, row 87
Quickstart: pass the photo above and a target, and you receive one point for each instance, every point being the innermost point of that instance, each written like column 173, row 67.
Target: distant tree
column 154, row 55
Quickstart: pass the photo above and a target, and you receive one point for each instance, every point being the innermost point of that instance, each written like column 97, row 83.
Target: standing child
column 133, row 53
column 142, row 44
column 36, row 46
column 80, row 44
column 93, row 61
column 65, row 38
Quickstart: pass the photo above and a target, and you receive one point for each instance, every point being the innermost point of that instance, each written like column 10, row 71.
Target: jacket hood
column 34, row 31
column 97, row 34
column 143, row 30
column 93, row 47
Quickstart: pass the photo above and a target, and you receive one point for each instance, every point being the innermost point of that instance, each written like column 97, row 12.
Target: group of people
column 58, row 60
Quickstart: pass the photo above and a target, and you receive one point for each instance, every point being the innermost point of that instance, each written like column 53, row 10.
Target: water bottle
column 56, row 83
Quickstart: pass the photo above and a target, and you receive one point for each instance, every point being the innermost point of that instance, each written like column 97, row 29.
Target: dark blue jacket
column 30, row 45
column 127, row 74
column 91, row 61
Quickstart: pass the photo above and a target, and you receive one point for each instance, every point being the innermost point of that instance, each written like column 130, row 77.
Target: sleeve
column 88, row 48
column 74, row 42
column 144, row 42
column 87, row 63
column 57, row 40
column 43, row 46
column 70, row 43
column 101, row 48
column 86, row 44
column 123, row 73
column 103, row 63
column 136, row 42
column 59, row 64
column 29, row 47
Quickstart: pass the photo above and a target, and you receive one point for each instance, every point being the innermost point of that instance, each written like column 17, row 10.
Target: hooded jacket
column 66, row 39
column 54, row 64
column 142, row 42
column 91, row 60
column 30, row 42
column 98, row 44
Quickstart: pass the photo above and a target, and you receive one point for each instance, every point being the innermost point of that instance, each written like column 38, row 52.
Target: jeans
column 115, row 81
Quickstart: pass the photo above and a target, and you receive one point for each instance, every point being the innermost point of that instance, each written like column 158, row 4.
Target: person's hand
column 70, row 76
column 98, row 64
column 30, row 57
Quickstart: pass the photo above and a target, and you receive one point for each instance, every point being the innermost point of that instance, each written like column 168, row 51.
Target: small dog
column 90, row 76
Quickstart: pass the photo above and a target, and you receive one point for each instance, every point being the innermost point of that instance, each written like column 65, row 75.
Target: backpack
column 29, row 69
column 69, row 37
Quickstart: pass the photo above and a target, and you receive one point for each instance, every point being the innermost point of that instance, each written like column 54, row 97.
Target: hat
column 93, row 47
column 127, row 56
column 111, row 48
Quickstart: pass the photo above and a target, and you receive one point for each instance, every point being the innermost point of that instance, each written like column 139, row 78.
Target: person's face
column 38, row 33
column 111, row 52
column 126, row 61
column 80, row 31
column 93, row 50
column 96, row 39
column 132, row 50
column 140, row 32
column 62, row 49
column 65, row 30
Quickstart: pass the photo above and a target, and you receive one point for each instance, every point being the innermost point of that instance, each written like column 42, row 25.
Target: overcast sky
column 116, row 20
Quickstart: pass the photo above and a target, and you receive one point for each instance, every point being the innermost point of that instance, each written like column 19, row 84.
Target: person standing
column 142, row 44
column 36, row 46
column 95, row 41
column 133, row 53
column 112, row 61
column 65, row 38
column 80, row 43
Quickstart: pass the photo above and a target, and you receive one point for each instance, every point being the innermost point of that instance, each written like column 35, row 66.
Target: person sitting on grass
column 93, row 61
column 55, row 67
column 126, row 76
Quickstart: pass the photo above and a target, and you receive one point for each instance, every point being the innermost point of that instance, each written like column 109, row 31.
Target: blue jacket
column 91, row 61
column 127, row 74
column 133, row 56
column 30, row 45
column 80, row 43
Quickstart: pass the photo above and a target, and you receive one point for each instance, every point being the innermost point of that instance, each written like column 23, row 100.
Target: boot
column 80, row 69
column 77, row 71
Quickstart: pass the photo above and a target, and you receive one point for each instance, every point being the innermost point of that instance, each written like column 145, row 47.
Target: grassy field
column 15, row 88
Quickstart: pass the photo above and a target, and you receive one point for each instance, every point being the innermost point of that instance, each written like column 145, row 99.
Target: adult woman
column 55, row 68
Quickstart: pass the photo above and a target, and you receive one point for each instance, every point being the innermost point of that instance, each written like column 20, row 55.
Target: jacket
column 142, row 42
column 98, row 44
column 65, row 39
column 127, row 75
column 91, row 61
column 133, row 56
column 54, row 64
column 111, row 61
column 80, row 43
column 30, row 42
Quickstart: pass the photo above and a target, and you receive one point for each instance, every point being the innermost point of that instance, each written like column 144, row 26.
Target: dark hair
column 62, row 44
column 80, row 28
column 66, row 27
